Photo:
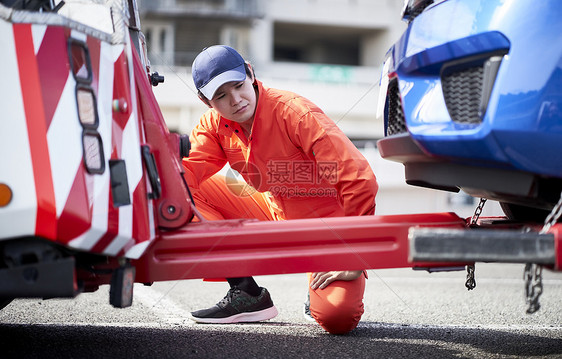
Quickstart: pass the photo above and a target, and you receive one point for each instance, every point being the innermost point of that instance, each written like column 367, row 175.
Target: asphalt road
column 407, row 314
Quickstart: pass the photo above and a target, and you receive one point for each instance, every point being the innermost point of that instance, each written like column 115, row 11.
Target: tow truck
column 92, row 190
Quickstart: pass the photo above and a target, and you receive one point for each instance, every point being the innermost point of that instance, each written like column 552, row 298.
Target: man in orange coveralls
column 297, row 163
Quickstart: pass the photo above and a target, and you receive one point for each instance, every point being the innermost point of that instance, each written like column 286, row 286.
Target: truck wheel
column 4, row 302
column 521, row 213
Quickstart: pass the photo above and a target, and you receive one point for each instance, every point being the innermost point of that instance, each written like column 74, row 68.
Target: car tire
column 521, row 213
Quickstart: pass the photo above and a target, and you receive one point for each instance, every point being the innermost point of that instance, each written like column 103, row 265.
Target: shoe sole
column 246, row 317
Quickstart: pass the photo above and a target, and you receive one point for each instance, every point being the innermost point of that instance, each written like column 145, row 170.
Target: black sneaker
column 238, row 306
column 306, row 309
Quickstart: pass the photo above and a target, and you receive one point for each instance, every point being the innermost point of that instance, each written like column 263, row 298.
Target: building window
column 316, row 44
column 160, row 42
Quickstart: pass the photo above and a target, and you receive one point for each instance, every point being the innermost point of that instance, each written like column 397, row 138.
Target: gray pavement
column 407, row 314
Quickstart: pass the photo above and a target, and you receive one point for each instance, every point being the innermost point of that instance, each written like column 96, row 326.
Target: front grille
column 462, row 90
column 396, row 120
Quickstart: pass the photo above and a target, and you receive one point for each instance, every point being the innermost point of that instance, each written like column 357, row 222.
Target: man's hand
column 323, row 279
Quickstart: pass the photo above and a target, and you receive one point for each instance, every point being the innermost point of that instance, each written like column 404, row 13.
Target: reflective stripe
column 33, row 103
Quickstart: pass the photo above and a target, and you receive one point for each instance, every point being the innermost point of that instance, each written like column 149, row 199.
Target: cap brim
column 236, row 74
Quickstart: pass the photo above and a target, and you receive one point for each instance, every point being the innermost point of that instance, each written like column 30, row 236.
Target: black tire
column 521, row 213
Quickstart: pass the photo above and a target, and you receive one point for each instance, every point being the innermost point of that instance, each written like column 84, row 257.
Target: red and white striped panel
column 42, row 156
column 16, row 168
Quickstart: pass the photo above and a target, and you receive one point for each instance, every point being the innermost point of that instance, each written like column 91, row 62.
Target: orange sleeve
column 206, row 156
column 355, row 181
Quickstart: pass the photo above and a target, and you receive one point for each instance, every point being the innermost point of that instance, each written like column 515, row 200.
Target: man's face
column 235, row 101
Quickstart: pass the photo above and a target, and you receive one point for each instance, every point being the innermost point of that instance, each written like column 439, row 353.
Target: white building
column 329, row 51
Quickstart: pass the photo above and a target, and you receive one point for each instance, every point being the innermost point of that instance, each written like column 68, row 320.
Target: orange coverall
column 302, row 166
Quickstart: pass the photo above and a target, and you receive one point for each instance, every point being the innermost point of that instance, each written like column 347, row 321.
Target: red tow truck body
column 92, row 189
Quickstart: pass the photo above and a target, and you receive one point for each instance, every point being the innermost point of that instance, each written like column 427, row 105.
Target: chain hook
column 470, row 283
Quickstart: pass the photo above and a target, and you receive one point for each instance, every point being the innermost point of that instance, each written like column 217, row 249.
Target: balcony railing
column 238, row 9
column 295, row 72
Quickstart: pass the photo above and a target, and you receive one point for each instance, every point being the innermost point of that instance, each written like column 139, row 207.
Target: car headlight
column 383, row 87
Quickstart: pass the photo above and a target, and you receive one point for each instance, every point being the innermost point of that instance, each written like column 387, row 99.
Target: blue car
column 471, row 96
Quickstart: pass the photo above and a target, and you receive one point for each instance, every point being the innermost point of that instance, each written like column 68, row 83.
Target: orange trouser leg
column 216, row 200
column 339, row 306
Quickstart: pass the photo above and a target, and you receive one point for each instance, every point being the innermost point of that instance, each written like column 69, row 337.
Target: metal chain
column 470, row 283
column 533, row 272
column 553, row 216
column 478, row 211
column 533, row 286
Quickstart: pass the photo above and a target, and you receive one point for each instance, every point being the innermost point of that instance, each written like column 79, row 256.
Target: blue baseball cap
column 215, row 66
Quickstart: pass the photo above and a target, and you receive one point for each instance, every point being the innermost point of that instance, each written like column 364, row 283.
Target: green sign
column 331, row 73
